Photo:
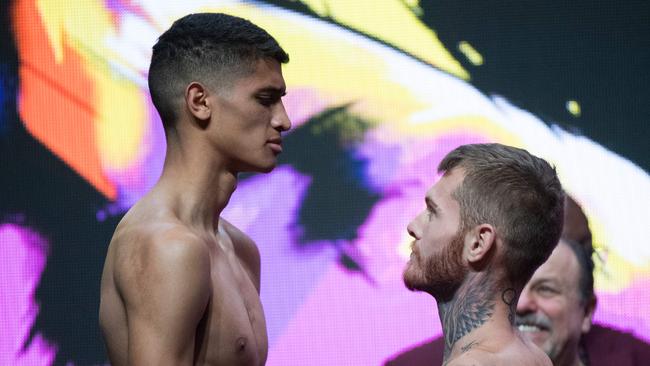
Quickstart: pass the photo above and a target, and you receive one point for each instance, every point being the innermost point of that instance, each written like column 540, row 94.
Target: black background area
column 540, row 54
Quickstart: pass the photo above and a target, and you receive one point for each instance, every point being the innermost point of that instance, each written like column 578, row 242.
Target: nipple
column 240, row 344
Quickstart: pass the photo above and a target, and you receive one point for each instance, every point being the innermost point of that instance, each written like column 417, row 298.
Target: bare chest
column 233, row 329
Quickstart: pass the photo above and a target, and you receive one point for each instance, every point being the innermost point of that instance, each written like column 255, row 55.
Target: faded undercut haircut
column 205, row 47
column 516, row 192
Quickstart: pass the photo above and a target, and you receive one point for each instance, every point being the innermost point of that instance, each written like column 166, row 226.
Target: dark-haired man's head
column 217, row 83
column 512, row 194
column 210, row 48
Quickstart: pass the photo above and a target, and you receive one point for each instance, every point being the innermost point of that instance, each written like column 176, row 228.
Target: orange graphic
column 56, row 99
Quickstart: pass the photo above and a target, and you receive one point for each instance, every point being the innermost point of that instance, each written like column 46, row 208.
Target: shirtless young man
column 181, row 285
column 492, row 219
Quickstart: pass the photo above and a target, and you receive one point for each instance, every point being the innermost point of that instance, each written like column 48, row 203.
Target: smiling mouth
column 529, row 328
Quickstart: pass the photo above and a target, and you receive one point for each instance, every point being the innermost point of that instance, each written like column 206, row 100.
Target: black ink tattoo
column 471, row 307
column 463, row 349
column 508, row 296
column 468, row 346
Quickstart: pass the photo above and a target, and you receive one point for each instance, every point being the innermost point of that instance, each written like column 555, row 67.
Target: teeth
column 528, row 328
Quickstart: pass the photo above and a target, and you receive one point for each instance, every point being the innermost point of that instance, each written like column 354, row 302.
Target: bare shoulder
column 244, row 246
column 237, row 236
column 164, row 241
column 161, row 273
column 521, row 351
column 474, row 357
column 507, row 356
column 149, row 255
column 245, row 249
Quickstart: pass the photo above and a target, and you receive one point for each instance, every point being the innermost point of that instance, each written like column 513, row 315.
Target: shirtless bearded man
column 492, row 219
column 180, row 284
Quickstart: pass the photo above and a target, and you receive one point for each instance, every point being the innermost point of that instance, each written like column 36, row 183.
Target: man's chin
column 409, row 285
column 412, row 280
column 537, row 336
column 266, row 168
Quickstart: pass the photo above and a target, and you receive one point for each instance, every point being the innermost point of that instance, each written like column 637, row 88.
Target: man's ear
column 198, row 104
column 590, row 308
column 479, row 242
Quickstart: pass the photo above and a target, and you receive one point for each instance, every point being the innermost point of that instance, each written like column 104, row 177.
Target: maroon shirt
column 605, row 347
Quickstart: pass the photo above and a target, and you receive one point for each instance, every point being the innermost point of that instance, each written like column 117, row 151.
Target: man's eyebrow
column 273, row 90
column 431, row 204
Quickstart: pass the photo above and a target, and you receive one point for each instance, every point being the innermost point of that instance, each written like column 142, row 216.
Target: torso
column 232, row 330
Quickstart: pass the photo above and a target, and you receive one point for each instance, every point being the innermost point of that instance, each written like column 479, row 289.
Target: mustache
column 539, row 320
column 414, row 249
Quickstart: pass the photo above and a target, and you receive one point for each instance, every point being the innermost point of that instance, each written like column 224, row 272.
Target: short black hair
column 211, row 47
column 584, row 256
column 577, row 235
column 516, row 192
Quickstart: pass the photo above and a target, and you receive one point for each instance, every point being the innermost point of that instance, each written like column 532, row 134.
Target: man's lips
column 275, row 145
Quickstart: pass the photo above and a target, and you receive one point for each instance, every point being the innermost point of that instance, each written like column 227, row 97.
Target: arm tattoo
column 470, row 308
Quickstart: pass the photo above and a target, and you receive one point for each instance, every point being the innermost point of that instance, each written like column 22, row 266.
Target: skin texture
column 181, row 285
column 436, row 268
column 551, row 311
column 461, row 269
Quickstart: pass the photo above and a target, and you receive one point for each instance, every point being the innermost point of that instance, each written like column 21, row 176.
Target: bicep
column 165, row 292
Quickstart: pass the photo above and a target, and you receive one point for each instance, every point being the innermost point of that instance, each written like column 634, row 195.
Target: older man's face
column 550, row 311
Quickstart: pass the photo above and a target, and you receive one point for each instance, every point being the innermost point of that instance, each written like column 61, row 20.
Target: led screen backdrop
column 379, row 92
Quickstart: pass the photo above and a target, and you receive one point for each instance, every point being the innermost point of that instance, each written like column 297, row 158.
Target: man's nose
column 526, row 302
column 411, row 228
column 280, row 119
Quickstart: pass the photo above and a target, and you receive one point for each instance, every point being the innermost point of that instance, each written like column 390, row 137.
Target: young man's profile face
column 436, row 265
column 249, row 118
column 550, row 311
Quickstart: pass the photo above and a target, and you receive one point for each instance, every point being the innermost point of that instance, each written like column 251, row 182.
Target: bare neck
column 195, row 183
column 478, row 313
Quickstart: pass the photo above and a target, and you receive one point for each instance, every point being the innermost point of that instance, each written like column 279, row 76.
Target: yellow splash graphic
column 612, row 271
column 84, row 25
column 120, row 119
column 318, row 64
column 395, row 23
column 574, row 108
column 53, row 14
column 471, row 53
